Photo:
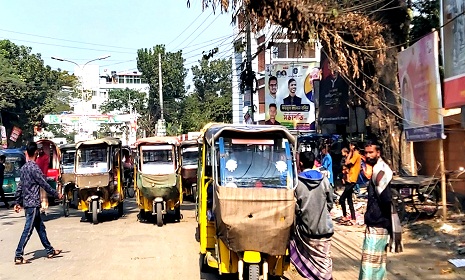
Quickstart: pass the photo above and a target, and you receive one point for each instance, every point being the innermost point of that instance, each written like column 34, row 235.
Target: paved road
column 115, row 248
column 127, row 249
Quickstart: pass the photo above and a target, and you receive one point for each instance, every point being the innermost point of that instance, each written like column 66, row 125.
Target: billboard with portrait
column 453, row 46
column 421, row 89
column 289, row 95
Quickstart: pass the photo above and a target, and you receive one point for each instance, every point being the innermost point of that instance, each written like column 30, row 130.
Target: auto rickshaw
column 53, row 172
column 246, row 205
column 190, row 157
column 158, row 184
column 15, row 159
column 99, row 176
column 67, row 177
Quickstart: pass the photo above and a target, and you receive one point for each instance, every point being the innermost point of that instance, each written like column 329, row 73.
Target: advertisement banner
column 333, row 96
column 421, row 89
column 289, row 95
column 15, row 133
column 453, row 51
column 3, row 136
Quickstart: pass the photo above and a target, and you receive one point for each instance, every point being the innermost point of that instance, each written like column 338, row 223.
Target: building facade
column 269, row 46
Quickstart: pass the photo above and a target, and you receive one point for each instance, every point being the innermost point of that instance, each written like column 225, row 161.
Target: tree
column 30, row 89
column 211, row 100
column 173, row 75
column 123, row 100
column 425, row 20
column 361, row 37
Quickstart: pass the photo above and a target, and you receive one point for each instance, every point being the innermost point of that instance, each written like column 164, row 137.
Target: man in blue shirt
column 327, row 163
column 28, row 196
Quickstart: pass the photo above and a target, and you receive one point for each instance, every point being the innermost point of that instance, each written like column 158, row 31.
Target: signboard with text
column 421, row 89
column 289, row 95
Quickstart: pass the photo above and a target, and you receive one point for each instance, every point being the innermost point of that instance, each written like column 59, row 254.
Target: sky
column 82, row 30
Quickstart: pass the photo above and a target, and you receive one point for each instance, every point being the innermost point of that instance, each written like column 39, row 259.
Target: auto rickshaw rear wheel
column 158, row 208
column 120, row 209
column 94, row 211
column 66, row 205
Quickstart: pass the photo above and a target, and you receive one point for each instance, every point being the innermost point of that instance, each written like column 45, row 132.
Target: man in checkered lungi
column 382, row 222
column 310, row 243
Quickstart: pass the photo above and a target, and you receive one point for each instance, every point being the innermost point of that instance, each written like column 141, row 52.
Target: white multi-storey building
column 269, row 45
column 97, row 85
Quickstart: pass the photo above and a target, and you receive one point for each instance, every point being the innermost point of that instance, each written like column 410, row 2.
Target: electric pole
column 160, row 128
column 160, row 83
column 248, row 76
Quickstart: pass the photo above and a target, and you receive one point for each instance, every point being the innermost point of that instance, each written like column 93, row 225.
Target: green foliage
column 173, row 75
column 427, row 19
column 211, row 100
column 29, row 89
column 123, row 100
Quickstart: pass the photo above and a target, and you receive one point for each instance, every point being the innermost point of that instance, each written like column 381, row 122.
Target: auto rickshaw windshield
column 13, row 166
column 256, row 163
column 157, row 159
column 67, row 161
column 92, row 160
column 190, row 156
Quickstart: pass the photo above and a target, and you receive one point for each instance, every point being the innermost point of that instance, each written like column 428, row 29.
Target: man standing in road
column 292, row 99
column 2, row 174
column 353, row 162
column 310, row 243
column 28, row 195
column 327, row 163
column 380, row 218
column 43, row 161
column 272, row 110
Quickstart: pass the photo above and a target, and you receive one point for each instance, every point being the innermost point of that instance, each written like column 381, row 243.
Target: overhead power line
column 187, row 27
column 65, row 40
column 194, row 31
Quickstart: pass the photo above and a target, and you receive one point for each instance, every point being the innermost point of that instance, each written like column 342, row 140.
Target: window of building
column 121, row 80
column 293, row 50
column 137, row 79
column 129, row 79
column 94, row 93
column 94, row 106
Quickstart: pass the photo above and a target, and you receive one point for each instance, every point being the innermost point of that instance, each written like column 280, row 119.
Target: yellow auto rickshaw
column 99, row 176
column 246, row 201
column 158, row 183
column 67, row 177
column 189, row 163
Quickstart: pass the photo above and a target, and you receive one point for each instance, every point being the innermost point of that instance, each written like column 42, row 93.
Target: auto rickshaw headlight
column 17, row 179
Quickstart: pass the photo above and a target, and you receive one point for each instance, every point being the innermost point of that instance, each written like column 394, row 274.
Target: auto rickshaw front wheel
column 159, row 211
column 94, row 212
column 254, row 271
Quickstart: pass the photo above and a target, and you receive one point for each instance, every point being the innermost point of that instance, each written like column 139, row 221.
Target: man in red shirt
column 43, row 161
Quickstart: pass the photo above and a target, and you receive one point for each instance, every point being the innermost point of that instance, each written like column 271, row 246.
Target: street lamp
column 82, row 72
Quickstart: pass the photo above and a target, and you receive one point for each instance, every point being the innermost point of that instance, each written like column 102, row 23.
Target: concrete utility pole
column 160, row 85
column 248, row 76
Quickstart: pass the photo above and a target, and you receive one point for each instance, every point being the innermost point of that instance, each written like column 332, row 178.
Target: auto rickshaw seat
column 53, row 173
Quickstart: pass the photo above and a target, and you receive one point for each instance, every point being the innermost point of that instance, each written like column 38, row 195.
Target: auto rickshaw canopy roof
column 188, row 143
column 66, row 147
column 212, row 131
column 13, row 152
column 171, row 140
column 110, row 141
